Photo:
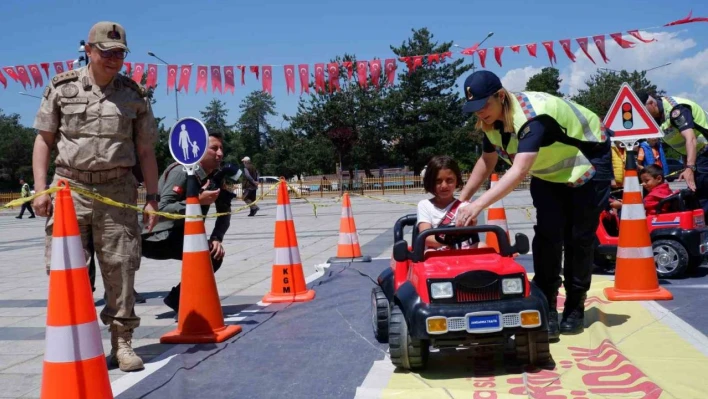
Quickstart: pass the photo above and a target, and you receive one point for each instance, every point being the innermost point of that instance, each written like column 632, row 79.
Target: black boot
column 573, row 321
column 553, row 329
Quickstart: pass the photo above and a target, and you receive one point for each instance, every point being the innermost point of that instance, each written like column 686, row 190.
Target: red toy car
column 458, row 298
column 679, row 236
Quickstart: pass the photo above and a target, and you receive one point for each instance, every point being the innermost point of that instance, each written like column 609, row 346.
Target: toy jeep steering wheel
column 452, row 240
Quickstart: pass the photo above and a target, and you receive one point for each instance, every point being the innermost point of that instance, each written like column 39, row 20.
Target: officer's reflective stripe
column 73, row 343
column 348, row 238
column 287, row 256
column 583, row 122
column 67, row 253
column 564, row 164
column 633, row 212
column 195, row 243
column 672, row 101
column 635, row 253
column 283, row 212
column 631, row 185
column 498, row 222
column 347, row 212
column 193, row 210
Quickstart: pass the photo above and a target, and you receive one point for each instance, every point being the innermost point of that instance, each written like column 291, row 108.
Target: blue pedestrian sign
column 188, row 141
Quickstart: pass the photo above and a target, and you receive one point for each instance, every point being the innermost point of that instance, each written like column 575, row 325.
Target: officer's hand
column 150, row 219
column 207, row 197
column 42, row 205
column 690, row 179
column 216, row 249
column 467, row 216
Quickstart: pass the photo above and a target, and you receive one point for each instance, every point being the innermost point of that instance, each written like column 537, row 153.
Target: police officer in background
column 101, row 123
column 685, row 126
column 564, row 148
column 167, row 238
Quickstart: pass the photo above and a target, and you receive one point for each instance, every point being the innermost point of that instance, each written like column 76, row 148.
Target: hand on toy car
column 467, row 215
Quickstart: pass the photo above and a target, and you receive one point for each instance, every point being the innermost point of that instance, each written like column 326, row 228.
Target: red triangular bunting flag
column 152, row 76
column 361, row 73
column 70, row 64
column 254, row 69
column 639, row 37
column 497, row 54
column 447, row 54
column 11, row 73
column 531, row 48
column 470, row 50
column 185, row 73
column 36, row 75
column 45, row 66
column 565, row 43
column 304, row 78
column 417, row 62
column 515, row 48
column 24, row 77
column 58, row 67
column 242, row 68
column 202, row 72
column 3, row 80
column 319, row 78
column 229, row 81
column 267, row 78
column 216, row 79
column 289, row 71
column 583, row 43
column 433, row 59
column 622, row 43
column 600, row 43
column 138, row 72
column 333, row 71
column 482, row 56
column 390, row 67
column 171, row 77
column 549, row 49
column 128, row 66
column 375, row 68
column 348, row 65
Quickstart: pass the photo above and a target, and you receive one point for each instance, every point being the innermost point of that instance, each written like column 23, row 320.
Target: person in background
column 24, row 193
column 250, row 184
column 652, row 152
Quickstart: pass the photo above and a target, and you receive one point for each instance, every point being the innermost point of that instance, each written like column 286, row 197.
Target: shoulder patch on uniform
column 178, row 189
column 47, row 91
column 65, row 77
column 675, row 113
column 524, row 132
column 134, row 85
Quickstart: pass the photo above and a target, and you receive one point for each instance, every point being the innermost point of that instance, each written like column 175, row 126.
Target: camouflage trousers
column 116, row 237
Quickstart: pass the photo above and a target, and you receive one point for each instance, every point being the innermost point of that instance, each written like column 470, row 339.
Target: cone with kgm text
column 635, row 271
column 200, row 318
column 288, row 281
column 348, row 249
column 496, row 216
column 74, row 362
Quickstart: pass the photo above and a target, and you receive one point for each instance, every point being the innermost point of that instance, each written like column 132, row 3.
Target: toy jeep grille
column 478, row 286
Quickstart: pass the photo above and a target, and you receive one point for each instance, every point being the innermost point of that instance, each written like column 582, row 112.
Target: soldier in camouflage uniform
column 102, row 124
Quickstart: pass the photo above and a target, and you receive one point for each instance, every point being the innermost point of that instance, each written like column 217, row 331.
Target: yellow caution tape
column 21, row 201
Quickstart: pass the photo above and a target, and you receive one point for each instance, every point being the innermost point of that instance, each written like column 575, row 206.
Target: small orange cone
column 496, row 216
column 635, row 272
column 74, row 363
column 348, row 249
column 288, row 280
column 200, row 319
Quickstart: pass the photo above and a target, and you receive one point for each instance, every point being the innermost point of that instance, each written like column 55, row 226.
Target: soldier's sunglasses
column 120, row 54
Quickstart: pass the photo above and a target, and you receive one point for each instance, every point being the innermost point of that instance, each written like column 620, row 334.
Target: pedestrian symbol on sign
column 188, row 141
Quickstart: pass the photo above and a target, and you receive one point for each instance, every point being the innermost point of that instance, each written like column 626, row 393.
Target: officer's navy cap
column 478, row 88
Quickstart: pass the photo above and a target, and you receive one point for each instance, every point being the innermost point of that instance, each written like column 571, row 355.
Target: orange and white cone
column 496, row 216
column 635, row 272
column 74, row 363
column 348, row 249
column 200, row 318
column 288, row 281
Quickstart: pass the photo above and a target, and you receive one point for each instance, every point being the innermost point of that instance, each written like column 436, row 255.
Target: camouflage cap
column 108, row 35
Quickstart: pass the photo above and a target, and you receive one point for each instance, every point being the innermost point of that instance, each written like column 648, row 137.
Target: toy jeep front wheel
column 671, row 258
column 406, row 352
column 380, row 314
column 533, row 348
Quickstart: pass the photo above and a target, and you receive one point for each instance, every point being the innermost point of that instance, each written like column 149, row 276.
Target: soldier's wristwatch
column 152, row 197
column 692, row 167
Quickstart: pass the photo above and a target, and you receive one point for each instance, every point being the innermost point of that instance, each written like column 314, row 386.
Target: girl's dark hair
column 434, row 167
column 653, row 170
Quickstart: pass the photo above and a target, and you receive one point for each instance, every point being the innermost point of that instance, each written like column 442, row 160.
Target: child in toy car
column 442, row 178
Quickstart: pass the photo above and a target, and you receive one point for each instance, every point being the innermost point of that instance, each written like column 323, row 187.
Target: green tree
column 215, row 117
column 16, row 144
column 548, row 81
column 426, row 104
column 603, row 86
column 253, row 126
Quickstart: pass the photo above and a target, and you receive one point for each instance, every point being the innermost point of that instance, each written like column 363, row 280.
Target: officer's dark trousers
column 566, row 217
column 171, row 248
column 701, row 177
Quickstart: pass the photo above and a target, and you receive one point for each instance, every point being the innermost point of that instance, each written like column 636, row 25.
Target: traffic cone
column 288, row 280
column 200, row 319
column 496, row 216
column 348, row 249
column 74, row 362
column 635, row 272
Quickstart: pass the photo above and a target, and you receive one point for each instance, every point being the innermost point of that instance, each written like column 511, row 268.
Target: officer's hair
column 434, row 167
column 217, row 135
column 653, row 170
column 507, row 112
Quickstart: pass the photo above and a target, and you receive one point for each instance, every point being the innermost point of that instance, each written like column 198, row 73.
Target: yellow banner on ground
column 625, row 352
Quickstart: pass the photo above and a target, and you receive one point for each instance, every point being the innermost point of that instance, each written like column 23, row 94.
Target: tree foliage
column 547, row 81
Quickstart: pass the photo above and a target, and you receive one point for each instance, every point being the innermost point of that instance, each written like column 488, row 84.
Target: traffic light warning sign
column 629, row 119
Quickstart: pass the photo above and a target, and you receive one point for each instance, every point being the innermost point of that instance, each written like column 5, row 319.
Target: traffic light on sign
column 627, row 121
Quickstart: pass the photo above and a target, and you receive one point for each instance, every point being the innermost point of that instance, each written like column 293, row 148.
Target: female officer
column 565, row 149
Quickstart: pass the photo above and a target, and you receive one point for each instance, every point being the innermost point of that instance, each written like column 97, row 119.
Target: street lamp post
column 150, row 53
column 29, row 95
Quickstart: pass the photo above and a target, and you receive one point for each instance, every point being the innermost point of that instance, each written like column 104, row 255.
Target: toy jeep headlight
column 441, row 290
column 512, row 286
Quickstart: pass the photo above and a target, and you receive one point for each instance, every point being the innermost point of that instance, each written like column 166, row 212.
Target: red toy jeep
column 458, row 298
column 678, row 235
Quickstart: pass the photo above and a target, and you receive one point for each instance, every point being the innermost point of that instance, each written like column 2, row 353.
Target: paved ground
column 242, row 281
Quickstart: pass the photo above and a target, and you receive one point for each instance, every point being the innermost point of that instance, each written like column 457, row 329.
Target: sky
column 282, row 32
